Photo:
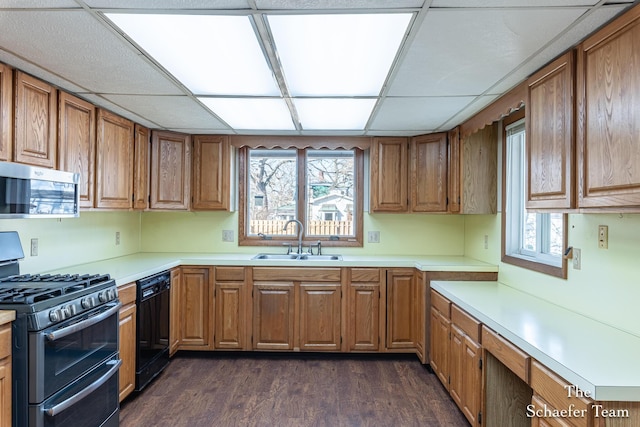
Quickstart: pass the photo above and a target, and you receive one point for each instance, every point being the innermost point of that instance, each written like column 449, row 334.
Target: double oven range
column 65, row 347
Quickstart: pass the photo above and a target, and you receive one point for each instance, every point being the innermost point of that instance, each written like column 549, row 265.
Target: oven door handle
column 65, row 404
column 61, row 333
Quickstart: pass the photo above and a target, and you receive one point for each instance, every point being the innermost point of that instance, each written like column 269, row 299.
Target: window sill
column 539, row 267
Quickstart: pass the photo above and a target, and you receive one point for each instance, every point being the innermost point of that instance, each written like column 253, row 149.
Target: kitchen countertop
column 130, row 268
column 7, row 316
column 597, row 358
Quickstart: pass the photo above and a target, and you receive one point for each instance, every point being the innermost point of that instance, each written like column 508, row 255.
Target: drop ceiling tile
column 337, row 4
column 203, row 131
column 512, row 3
column 77, row 47
column 99, row 101
column 417, row 113
column 468, row 111
column 169, row 111
column 446, row 60
column 168, row 4
column 39, row 4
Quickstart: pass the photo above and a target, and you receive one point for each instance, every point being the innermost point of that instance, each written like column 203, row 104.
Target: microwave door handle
column 67, row 403
column 61, row 333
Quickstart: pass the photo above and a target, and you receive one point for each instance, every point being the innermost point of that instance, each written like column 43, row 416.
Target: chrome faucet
column 300, row 231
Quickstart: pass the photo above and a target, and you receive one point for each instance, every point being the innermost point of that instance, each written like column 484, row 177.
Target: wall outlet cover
column 373, row 237
column 577, row 259
column 34, row 247
column 227, row 235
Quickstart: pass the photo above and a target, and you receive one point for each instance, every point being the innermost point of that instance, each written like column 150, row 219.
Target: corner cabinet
column 170, row 170
column 36, row 114
column 389, row 174
column 141, row 154
column 6, row 113
column 609, row 121
column 114, row 161
column 550, row 136
column 429, row 173
column 77, row 143
column 211, row 173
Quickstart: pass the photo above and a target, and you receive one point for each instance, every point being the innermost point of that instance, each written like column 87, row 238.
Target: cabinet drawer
column 441, row 304
column 229, row 274
column 464, row 321
column 540, row 404
column 127, row 293
column 5, row 341
column 551, row 388
column 511, row 356
column 365, row 275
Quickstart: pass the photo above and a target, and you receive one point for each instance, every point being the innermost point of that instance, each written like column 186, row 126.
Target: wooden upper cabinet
column 141, row 156
column 550, row 136
column 114, row 161
column 389, row 174
column 211, row 165
column 608, row 115
column 36, row 112
column 77, row 143
column 478, row 159
column 6, row 113
column 429, row 173
column 170, row 170
column 453, row 170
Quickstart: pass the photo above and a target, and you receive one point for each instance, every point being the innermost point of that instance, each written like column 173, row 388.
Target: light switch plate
column 577, row 259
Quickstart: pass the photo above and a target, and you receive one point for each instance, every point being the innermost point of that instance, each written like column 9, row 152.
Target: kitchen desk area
column 574, row 369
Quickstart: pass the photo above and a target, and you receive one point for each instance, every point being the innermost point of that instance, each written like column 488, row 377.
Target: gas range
column 48, row 299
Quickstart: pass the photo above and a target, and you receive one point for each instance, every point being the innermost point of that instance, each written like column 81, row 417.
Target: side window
column 530, row 239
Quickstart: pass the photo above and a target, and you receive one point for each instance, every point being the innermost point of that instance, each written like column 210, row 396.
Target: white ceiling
column 458, row 56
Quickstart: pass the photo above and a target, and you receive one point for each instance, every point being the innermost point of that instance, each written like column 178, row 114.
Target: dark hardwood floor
column 263, row 389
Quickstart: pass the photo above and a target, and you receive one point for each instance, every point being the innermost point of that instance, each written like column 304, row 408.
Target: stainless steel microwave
column 34, row 192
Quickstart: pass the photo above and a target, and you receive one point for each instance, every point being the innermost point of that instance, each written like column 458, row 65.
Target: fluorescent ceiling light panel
column 334, row 113
column 209, row 54
column 252, row 113
column 337, row 55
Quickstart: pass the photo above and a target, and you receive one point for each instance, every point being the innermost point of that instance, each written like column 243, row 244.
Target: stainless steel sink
column 296, row 257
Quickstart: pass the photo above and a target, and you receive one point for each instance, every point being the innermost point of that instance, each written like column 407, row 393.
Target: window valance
column 316, row 142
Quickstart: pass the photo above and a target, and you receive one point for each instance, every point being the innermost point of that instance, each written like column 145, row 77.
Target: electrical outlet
column 34, row 247
column 373, row 237
column 486, row 241
column 603, row 237
column 227, row 235
column 117, row 238
column 577, row 259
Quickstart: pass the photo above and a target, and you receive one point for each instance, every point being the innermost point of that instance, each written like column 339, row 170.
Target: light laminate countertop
column 130, row 268
column 597, row 358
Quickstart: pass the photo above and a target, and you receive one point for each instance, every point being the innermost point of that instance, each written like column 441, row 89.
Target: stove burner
column 29, row 289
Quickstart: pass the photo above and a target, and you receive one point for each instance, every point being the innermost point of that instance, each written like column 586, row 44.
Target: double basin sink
column 298, row 257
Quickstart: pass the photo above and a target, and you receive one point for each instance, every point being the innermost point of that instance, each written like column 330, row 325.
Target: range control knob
column 113, row 294
column 103, row 296
column 54, row 316
column 87, row 302
column 64, row 313
column 72, row 309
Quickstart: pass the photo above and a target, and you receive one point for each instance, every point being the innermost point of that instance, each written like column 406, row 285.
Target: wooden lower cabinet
column 230, row 308
column 5, row 376
column 174, row 310
column 196, row 309
column 400, row 309
column 273, row 316
column 421, row 315
column 363, row 301
column 439, row 338
column 127, row 350
column 320, row 309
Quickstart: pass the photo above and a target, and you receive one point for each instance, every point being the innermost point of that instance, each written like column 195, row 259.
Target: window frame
column 244, row 239
column 534, row 263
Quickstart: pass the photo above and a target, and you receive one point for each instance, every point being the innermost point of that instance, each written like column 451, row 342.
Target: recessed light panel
column 252, row 113
column 333, row 113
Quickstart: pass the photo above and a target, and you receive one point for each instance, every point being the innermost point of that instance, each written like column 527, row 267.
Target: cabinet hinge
column 133, row 197
column 149, row 198
column 479, row 417
column 480, row 363
column 449, row 380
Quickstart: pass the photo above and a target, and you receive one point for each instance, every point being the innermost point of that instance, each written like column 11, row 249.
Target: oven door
column 92, row 401
column 67, row 351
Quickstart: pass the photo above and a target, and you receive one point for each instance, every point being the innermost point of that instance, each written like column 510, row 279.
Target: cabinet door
column 364, row 308
column 456, row 372
column 320, row 325
column 6, row 113
column 114, row 161
column 273, row 316
column 174, row 310
column 6, row 384
column 609, row 122
column 141, row 172
column 170, row 170
column 453, row 171
column 77, row 143
column 389, row 174
column 127, row 349
column 230, row 315
column 479, row 172
column 439, row 346
column 429, row 173
column 420, row 313
column 211, row 180
column 36, row 112
column 471, row 386
column 197, row 322
column 550, row 136
column 400, row 309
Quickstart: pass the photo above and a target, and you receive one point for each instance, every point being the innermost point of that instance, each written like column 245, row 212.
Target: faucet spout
column 300, row 231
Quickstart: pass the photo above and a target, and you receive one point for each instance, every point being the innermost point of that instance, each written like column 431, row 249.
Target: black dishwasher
column 152, row 327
